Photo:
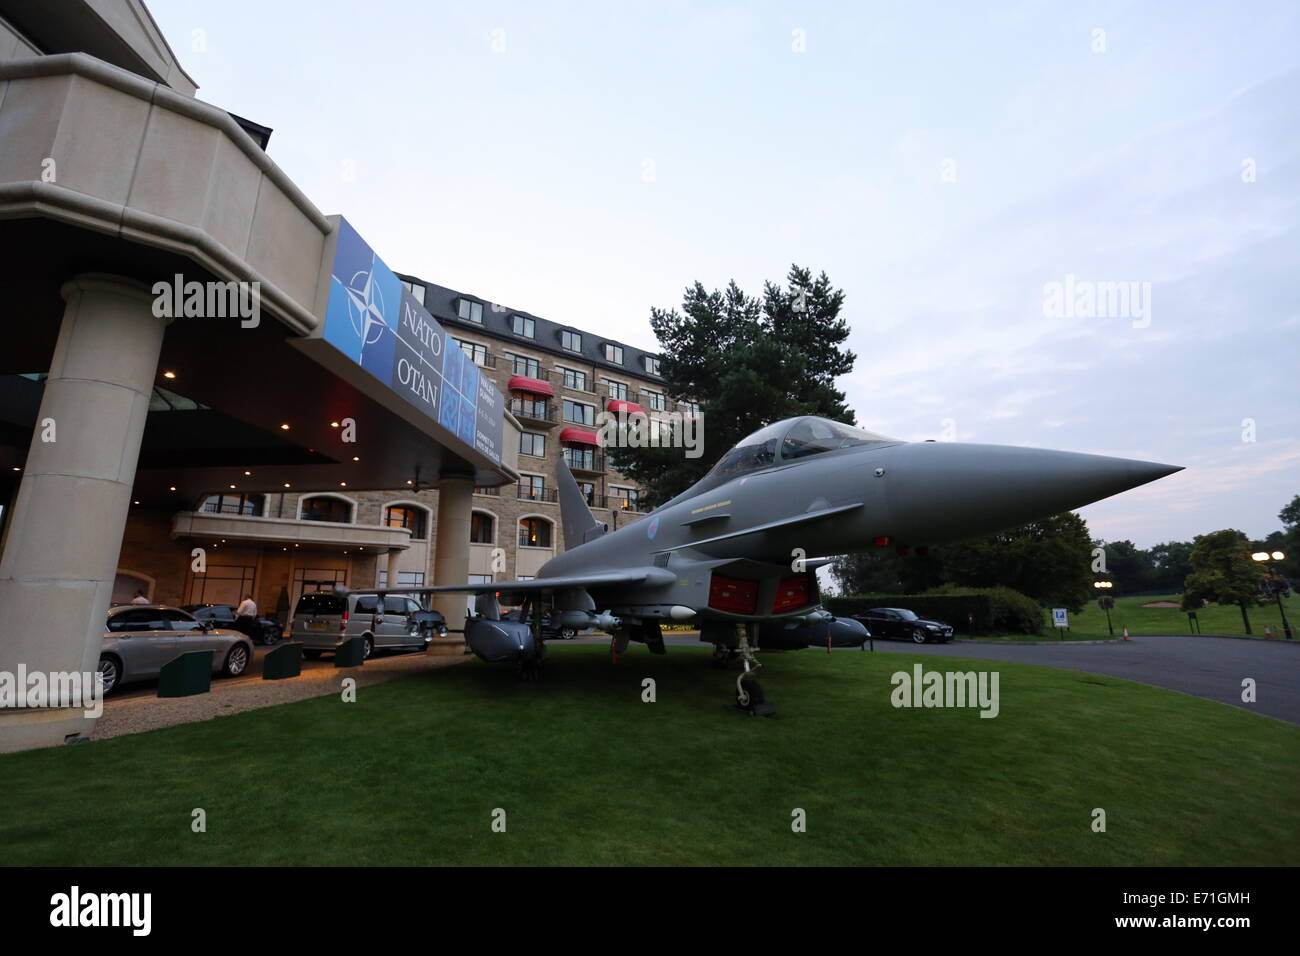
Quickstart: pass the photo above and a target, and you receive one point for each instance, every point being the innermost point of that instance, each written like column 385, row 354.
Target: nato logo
column 364, row 306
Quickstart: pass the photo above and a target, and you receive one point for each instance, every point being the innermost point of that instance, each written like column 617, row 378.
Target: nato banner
column 373, row 320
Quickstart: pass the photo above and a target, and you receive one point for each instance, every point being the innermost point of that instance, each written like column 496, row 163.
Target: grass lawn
column 1090, row 624
column 589, row 774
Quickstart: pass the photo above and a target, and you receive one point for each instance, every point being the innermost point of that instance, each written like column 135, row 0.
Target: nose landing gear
column 749, row 695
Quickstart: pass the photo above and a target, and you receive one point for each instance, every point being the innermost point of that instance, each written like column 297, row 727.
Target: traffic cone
column 1126, row 637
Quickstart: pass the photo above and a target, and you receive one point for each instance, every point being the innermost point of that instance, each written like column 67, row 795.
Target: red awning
column 617, row 405
column 580, row 436
column 535, row 385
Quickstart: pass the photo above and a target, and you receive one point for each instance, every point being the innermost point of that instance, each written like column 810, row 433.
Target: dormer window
column 523, row 325
column 651, row 364
column 614, row 353
column 570, row 340
column 470, row 310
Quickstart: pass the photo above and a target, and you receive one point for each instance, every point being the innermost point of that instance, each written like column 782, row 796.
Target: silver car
column 322, row 622
column 141, row 638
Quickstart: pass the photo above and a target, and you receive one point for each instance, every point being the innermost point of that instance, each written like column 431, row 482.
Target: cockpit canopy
column 787, row 440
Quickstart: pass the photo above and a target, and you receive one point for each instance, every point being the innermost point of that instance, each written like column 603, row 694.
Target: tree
column 1223, row 573
column 1048, row 560
column 1131, row 568
column 1171, row 563
column 747, row 362
column 1290, row 515
column 883, row 571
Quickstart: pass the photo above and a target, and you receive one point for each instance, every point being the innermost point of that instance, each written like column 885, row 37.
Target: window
column 482, row 528
column 233, row 504
column 480, row 579
column 523, row 365
column 691, row 409
column 658, row 401
column 570, row 340
column 614, row 353
column 625, row 498
column 588, row 490
column 523, row 325
column 144, row 620
column 416, row 289
column 617, row 390
column 651, row 364
column 532, row 487
column 326, row 509
column 811, row 436
column 476, row 352
column 583, row 458
column 573, row 378
column 579, row 413
column 406, row 516
column 530, row 443
column 473, row 311
column 534, row 533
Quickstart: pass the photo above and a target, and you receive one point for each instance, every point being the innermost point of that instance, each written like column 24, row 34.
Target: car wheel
column 270, row 638
column 568, row 633
column 918, row 636
column 367, row 647
column 236, row 661
column 311, row 655
column 111, row 668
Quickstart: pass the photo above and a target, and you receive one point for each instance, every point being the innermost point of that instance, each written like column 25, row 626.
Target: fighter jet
column 741, row 547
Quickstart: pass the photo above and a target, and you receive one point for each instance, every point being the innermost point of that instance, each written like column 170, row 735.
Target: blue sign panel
column 373, row 320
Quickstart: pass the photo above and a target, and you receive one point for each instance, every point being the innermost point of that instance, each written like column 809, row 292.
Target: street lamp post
column 1274, row 585
column 1105, row 601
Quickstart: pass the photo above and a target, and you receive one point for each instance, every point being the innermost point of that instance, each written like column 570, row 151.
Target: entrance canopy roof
column 342, row 382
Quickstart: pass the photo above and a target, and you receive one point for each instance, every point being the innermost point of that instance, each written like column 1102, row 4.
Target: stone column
column 65, row 534
column 451, row 546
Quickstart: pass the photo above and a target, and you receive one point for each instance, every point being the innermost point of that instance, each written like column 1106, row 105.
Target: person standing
column 246, row 617
column 139, row 598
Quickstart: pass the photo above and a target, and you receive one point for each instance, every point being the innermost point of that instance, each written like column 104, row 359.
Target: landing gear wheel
column 750, row 699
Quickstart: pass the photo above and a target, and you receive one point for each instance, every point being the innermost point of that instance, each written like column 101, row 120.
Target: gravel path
column 139, row 709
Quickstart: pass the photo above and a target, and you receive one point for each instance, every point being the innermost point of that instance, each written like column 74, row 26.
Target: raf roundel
column 652, row 528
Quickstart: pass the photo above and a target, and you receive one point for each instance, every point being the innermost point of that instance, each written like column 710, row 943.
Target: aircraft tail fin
column 580, row 526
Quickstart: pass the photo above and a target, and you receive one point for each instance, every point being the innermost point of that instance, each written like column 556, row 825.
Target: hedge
column 968, row 610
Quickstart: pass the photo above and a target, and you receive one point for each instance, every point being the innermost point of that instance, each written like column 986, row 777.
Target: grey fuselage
column 767, row 525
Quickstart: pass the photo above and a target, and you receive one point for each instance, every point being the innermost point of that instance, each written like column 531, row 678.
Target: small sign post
column 1061, row 619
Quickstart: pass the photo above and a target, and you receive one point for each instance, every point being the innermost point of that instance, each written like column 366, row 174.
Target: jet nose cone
column 941, row 491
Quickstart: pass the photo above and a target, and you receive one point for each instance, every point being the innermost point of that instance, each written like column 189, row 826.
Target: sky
column 1067, row 225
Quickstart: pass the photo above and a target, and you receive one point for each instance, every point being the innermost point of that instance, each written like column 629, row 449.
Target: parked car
column 550, row 630
column 900, row 624
column 140, row 638
column 223, row 615
column 322, row 622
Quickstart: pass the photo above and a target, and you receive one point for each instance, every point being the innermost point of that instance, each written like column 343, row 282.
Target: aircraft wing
column 621, row 576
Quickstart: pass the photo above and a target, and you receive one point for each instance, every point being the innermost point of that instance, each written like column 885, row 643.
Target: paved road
column 1210, row 667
